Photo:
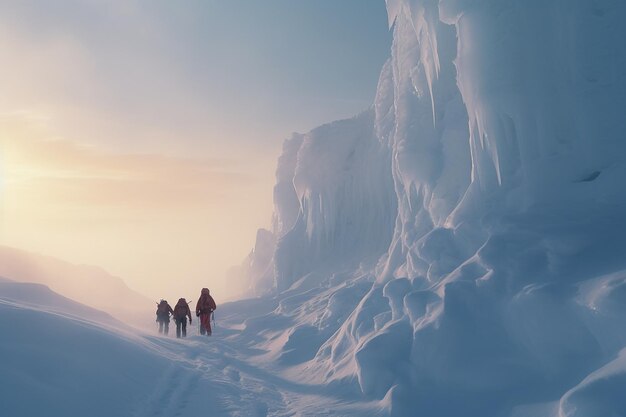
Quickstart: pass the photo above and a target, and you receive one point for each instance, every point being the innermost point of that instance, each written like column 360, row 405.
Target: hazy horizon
column 142, row 137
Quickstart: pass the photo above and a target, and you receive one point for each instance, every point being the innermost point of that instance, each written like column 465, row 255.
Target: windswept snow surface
column 459, row 249
column 60, row 358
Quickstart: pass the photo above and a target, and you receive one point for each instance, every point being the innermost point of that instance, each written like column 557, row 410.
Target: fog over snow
column 455, row 250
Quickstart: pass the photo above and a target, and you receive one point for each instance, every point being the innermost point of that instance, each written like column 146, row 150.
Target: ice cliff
column 458, row 249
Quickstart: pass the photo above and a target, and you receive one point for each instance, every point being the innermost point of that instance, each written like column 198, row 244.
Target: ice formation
column 459, row 248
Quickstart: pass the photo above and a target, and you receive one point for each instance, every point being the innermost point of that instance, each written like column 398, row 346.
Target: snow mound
column 600, row 394
column 64, row 358
column 40, row 297
column 104, row 373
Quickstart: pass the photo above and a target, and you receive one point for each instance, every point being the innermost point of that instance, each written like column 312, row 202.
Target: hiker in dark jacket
column 204, row 307
column 163, row 316
column 181, row 312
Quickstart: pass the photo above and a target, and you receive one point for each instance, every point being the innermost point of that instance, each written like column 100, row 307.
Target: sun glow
column 167, row 225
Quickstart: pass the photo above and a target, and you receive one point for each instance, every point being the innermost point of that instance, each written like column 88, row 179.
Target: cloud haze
column 162, row 222
column 141, row 136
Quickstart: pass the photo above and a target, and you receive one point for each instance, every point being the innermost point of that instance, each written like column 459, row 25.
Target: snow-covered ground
column 61, row 358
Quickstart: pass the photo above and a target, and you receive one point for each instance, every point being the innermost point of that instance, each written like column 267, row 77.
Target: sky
column 142, row 136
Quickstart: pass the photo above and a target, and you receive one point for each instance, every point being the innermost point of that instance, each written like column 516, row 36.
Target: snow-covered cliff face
column 487, row 182
column 334, row 204
column 542, row 85
column 346, row 200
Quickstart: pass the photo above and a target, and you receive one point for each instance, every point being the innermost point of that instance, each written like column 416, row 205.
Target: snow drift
column 458, row 249
column 63, row 358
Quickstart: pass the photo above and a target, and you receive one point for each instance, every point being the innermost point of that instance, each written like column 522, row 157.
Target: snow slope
column 60, row 358
column 40, row 297
column 86, row 284
column 459, row 248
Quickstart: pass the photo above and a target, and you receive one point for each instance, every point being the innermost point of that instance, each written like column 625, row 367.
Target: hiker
column 204, row 308
column 163, row 316
column 181, row 312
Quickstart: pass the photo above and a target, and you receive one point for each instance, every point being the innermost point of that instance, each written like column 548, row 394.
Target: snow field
column 63, row 358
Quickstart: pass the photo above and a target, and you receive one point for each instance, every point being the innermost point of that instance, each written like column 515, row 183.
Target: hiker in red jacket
column 181, row 312
column 163, row 316
column 204, row 308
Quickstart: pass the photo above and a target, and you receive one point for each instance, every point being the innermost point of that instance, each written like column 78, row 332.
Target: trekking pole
column 213, row 315
column 197, row 318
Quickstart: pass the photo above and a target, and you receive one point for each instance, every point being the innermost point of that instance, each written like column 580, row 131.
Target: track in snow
column 219, row 374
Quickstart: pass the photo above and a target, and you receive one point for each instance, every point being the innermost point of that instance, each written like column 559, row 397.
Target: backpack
column 206, row 303
column 162, row 310
column 181, row 309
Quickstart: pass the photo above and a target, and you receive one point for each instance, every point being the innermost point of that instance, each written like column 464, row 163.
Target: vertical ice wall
column 488, row 178
column 334, row 204
column 502, row 111
column 529, row 198
column 346, row 201
column 543, row 82
column 431, row 159
column 486, row 110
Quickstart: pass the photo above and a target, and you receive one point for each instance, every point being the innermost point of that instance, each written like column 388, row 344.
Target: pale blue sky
column 145, row 74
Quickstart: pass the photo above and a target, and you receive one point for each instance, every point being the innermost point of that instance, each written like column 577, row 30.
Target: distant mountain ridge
column 41, row 297
column 89, row 285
